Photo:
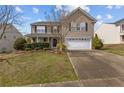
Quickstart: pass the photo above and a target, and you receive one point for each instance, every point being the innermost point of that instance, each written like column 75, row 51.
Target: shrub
column 29, row 40
column 61, row 46
column 46, row 45
column 37, row 45
column 97, row 43
column 19, row 44
column 33, row 45
column 27, row 45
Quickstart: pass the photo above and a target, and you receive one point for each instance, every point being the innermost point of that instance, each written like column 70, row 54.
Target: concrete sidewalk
column 58, row 84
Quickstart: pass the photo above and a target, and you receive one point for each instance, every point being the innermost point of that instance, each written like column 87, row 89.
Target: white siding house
column 111, row 33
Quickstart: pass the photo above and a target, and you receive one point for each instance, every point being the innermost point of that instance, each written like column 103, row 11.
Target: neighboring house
column 76, row 29
column 111, row 33
column 8, row 39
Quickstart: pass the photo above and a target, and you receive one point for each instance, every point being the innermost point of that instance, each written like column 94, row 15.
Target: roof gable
column 82, row 11
column 11, row 29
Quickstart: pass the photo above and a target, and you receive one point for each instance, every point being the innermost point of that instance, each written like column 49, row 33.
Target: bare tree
column 58, row 16
column 8, row 17
column 55, row 15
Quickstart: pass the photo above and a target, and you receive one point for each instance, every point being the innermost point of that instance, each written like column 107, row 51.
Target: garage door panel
column 78, row 44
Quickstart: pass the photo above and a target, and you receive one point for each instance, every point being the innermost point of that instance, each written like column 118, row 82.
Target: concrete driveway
column 97, row 68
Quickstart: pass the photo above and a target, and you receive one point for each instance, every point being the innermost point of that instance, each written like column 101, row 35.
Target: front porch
column 52, row 39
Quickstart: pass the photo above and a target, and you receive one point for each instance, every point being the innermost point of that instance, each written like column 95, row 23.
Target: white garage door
column 78, row 43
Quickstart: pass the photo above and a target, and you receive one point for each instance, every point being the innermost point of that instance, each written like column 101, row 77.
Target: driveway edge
column 75, row 70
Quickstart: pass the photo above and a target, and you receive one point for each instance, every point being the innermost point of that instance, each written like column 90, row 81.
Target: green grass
column 116, row 49
column 36, row 68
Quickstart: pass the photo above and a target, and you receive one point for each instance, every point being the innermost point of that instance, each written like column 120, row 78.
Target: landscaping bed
column 35, row 68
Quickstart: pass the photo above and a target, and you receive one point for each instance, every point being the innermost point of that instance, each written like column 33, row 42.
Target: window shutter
column 45, row 29
column 35, row 28
column 57, row 29
column 51, row 29
column 122, row 26
column 69, row 26
column 86, row 27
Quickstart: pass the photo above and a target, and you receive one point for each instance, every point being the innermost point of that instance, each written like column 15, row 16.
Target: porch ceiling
column 43, row 35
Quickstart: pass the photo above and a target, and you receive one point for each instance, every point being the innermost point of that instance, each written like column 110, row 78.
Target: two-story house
column 111, row 33
column 76, row 29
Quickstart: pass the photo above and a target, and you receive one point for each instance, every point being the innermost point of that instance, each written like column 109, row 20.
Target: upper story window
column 78, row 27
column 55, row 29
column 73, row 26
column 83, row 26
column 40, row 29
column 122, row 27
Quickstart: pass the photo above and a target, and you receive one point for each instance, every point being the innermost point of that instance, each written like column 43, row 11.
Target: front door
column 54, row 42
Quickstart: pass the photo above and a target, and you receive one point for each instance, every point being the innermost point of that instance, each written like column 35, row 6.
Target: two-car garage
column 77, row 43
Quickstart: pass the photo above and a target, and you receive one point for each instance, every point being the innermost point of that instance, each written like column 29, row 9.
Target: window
column 78, row 27
column 122, row 27
column 55, row 28
column 83, row 26
column 122, row 38
column 73, row 26
column 40, row 29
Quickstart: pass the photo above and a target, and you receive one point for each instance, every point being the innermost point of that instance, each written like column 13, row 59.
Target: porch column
column 32, row 41
column 48, row 40
column 37, row 39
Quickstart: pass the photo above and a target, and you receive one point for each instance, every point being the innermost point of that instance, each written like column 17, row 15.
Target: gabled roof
column 84, row 12
column 68, row 15
column 119, row 21
column 116, row 22
column 11, row 28
column 46, row 23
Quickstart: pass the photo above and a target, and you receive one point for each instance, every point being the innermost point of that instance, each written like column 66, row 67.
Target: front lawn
column 116, row 49
column 36, row 68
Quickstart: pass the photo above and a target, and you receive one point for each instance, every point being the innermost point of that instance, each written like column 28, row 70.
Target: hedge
column 37, row 45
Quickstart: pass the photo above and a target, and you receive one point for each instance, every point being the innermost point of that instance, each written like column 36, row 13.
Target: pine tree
column 97, row 43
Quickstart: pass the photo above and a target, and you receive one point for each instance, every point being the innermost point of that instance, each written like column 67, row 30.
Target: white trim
column 78, row 37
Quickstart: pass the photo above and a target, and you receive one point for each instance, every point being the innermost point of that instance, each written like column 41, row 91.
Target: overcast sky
column 104, row 14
